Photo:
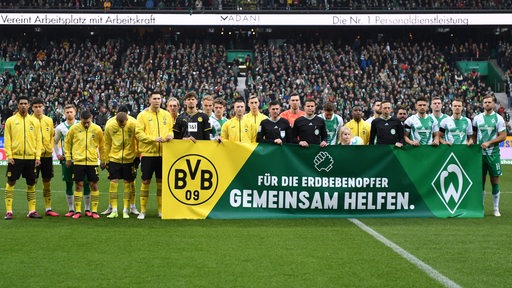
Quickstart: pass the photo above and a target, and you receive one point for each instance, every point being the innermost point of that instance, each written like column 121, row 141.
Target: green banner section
column 482, row 67
column 289, row 181
column 7, row 66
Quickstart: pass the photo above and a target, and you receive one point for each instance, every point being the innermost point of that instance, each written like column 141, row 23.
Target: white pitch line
column 436, row 275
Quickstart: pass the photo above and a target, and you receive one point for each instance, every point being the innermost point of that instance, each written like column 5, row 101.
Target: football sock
column 87, row 202
column 127, row 194
column 9, row 196
column 144, row 194
column 112, row 193
column 70, row 199
column 31, row 197
column 132, row 193
column 47, row 193
column 95, row 200
column 496, row 195
column 78, row 201
column 496, row 200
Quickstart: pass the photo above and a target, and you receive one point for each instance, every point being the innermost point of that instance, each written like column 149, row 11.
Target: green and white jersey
column 487, row 128
column 60, row 134
column 439, row 119
column 456, row 131
column 332, row 126
column 216, row 125
column 421, row 129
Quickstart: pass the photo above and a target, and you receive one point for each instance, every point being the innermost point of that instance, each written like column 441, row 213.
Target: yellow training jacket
column 239, row 130
column 82, row 145
column 361, row 129
column 121, row 143
column 47, row 134
column 151, row 125
column 22, row 137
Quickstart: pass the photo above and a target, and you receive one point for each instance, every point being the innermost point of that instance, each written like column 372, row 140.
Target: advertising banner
column 235, row 181
column 506, row 151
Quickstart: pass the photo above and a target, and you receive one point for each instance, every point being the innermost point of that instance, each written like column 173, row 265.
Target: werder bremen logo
column 452, row 183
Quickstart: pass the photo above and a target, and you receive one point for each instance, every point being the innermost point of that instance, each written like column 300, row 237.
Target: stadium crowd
column 101, row 75
column 259, row 5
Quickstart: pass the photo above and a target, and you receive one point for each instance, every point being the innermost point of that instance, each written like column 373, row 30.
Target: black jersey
column 270, row 131
column 311, row 130
column 388, row 131
column 196, row 125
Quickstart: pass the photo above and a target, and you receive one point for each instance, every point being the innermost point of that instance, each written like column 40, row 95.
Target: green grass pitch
column 64, row 252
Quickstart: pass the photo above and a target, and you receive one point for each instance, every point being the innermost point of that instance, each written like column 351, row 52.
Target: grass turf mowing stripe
column 411, row 258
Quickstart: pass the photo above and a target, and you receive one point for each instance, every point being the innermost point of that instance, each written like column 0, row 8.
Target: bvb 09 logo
column 192, row 179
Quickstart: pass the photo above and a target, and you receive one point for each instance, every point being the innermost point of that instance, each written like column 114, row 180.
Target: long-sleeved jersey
column 271, row 130
column 256, row 119
column 361, row 129
column 83, row 145
column 311, row 130
column 151, row 125
column 47, row 134
column 238, row 130
column 60, row 135
column 121, row 143
column 22, row 137
column 388, row 131
column 291, row 117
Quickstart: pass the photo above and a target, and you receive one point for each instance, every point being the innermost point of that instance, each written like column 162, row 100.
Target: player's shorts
column 492, row 164
column 150, row 164
column 121, row 171
column 82, row 171
column 45, row 168
column 22, row 167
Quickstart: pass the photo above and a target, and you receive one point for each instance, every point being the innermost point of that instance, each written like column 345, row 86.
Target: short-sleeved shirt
column 421, row 129
column 456, row 131
column 487, row 128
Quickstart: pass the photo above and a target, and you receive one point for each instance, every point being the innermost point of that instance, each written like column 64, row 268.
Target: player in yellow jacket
column 46, row 167
column 22, row 144
column 154, row 127
column 83, row 146
column 121, row 150
column 358, row 126
column 136, row 162
column 239, row 129
column 254, row 114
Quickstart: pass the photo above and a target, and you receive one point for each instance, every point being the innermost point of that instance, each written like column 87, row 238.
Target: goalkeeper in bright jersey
column 456, row 129
column 490, row 132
